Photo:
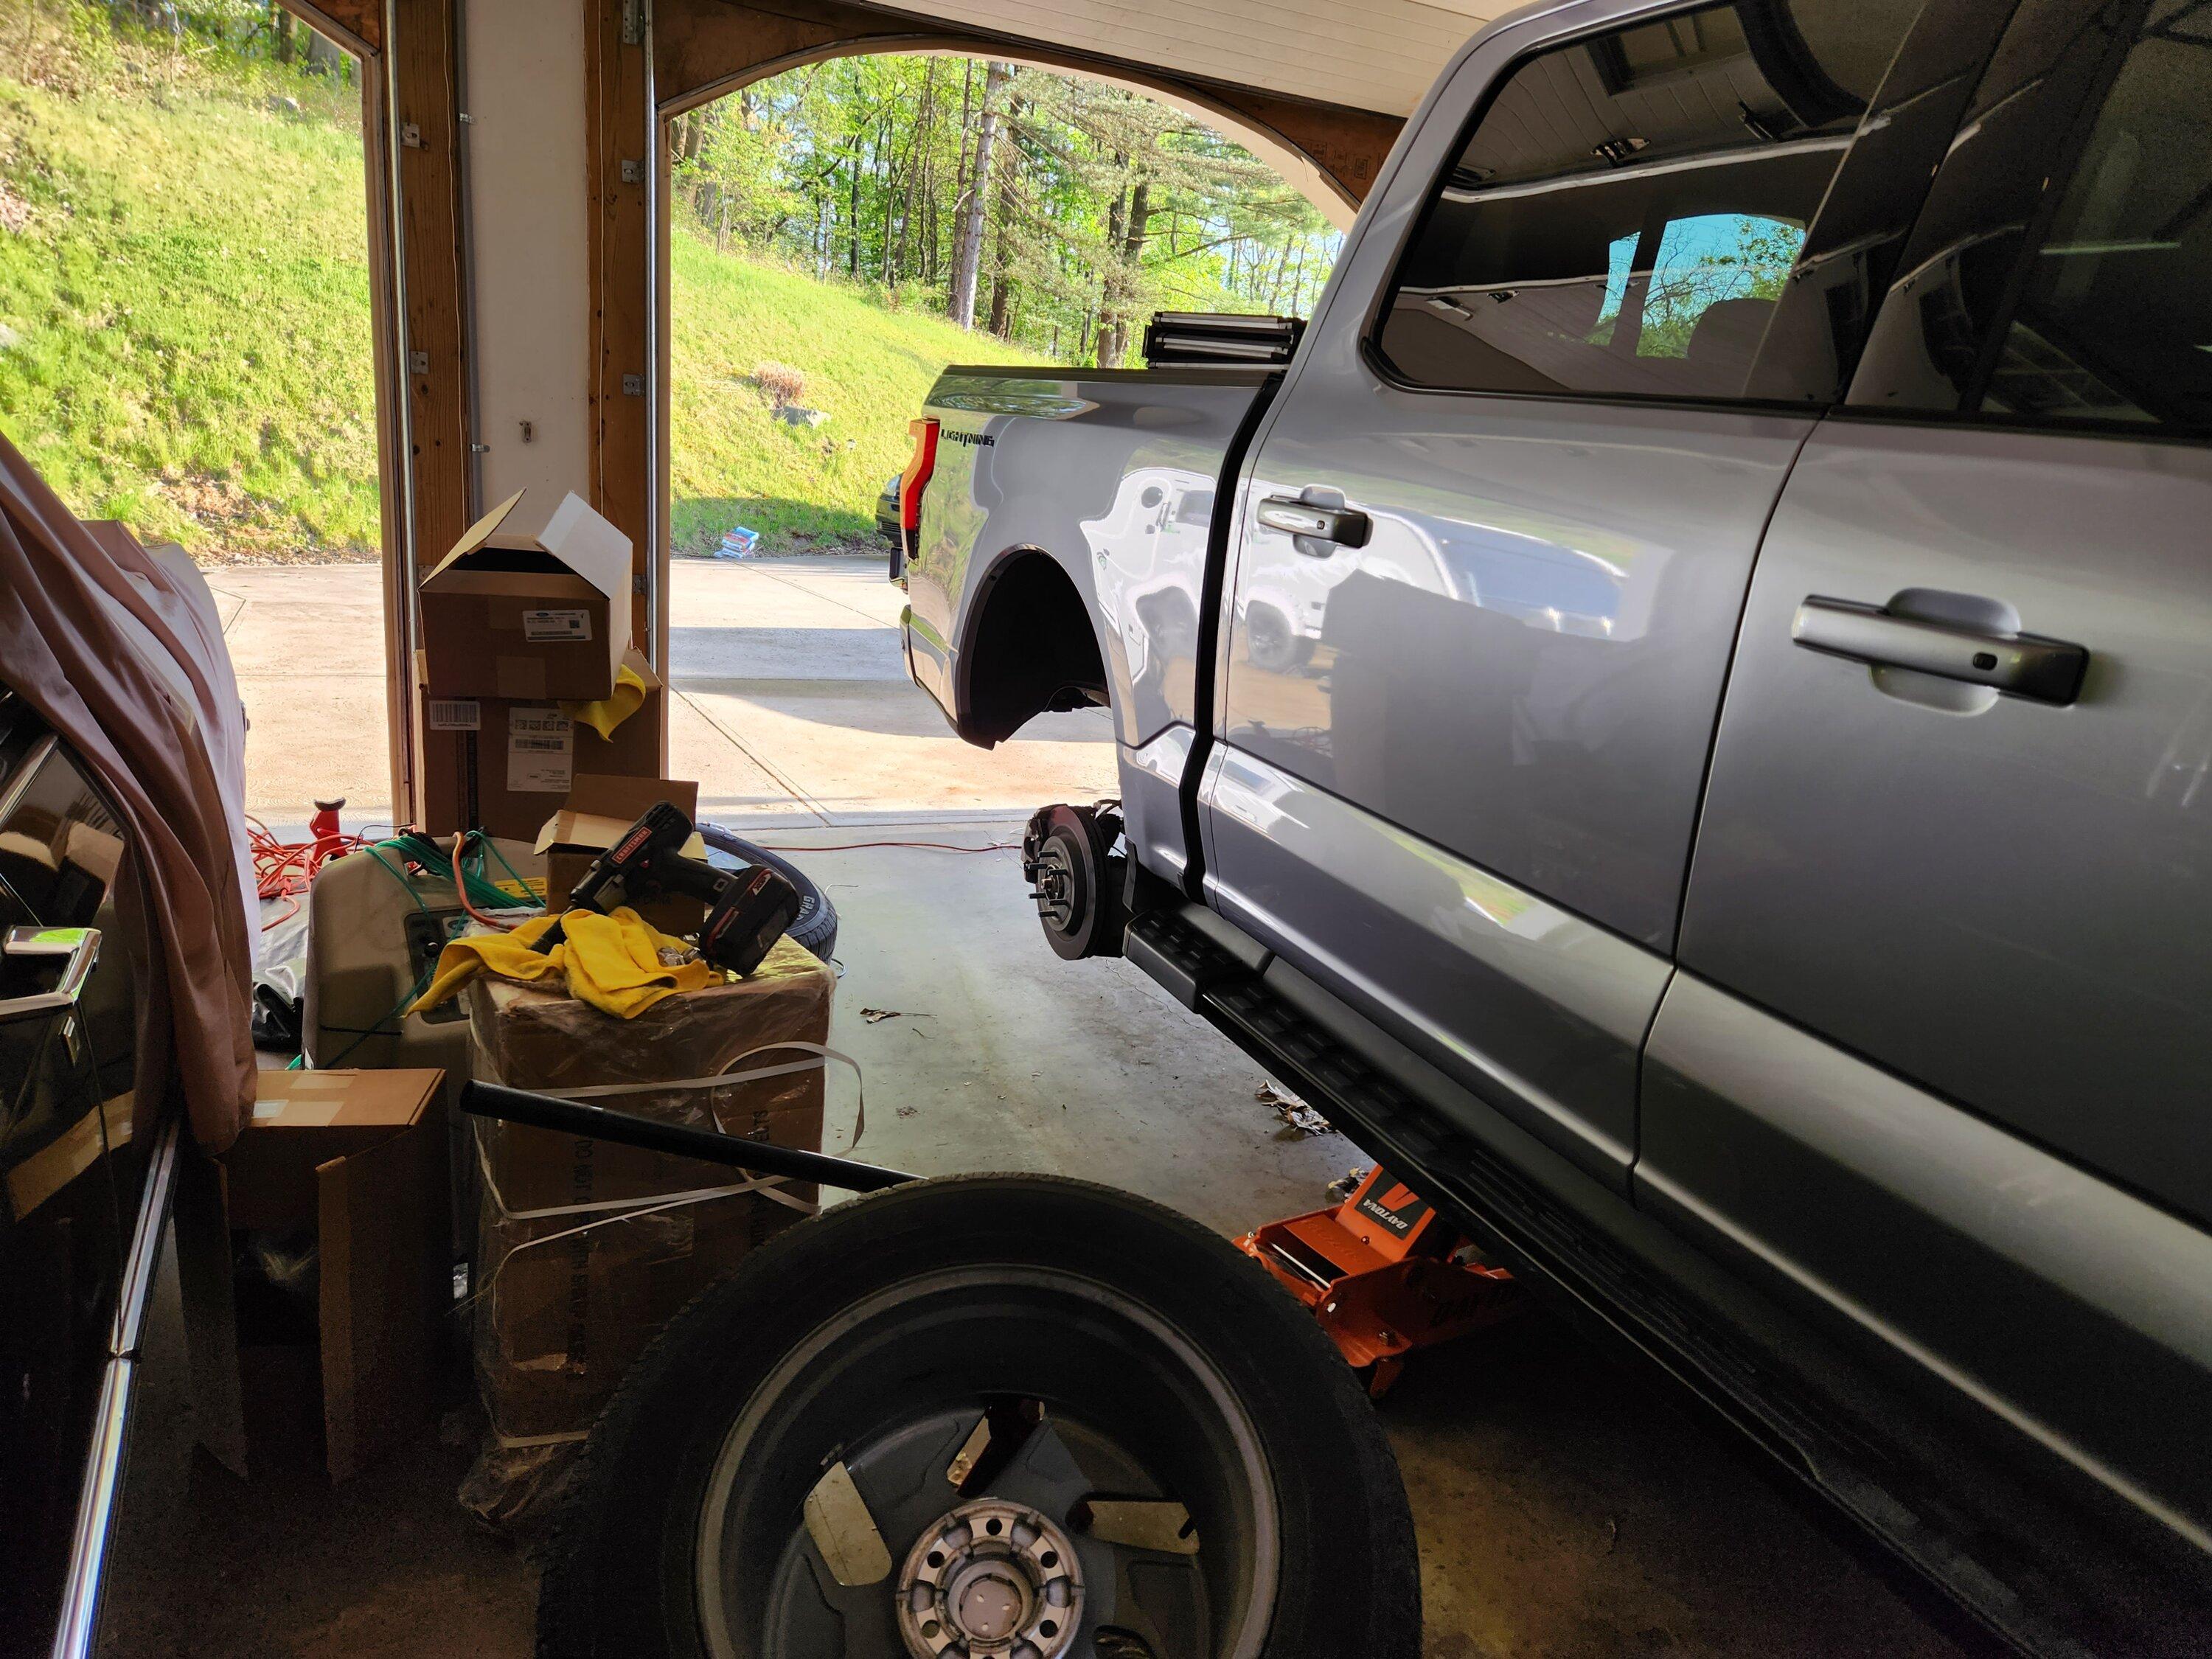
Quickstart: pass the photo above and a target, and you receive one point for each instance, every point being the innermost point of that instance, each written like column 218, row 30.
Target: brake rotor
column 1075, row 877
column 990, row 1580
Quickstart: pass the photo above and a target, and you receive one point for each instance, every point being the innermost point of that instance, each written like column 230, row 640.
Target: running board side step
column 1219, row 972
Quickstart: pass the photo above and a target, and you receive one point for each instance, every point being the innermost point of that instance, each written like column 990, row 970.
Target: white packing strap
column 623, row 1210
column 617, row 1209
column 822, row 1057
column 608, row 1212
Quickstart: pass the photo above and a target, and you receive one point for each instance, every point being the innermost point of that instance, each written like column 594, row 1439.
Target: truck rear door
column 1496, row 537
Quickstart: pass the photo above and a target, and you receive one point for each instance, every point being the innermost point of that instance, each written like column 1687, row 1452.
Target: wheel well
column 1030, row 650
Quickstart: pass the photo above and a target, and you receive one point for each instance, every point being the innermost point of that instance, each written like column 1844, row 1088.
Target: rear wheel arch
column 1030, row 646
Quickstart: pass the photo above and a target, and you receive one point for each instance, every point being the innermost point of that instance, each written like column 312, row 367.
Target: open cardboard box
column 523, row 618
column 594, row 818
column 360, row 1158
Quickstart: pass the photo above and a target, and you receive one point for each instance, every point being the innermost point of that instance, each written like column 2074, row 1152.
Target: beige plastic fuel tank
column 368, row 941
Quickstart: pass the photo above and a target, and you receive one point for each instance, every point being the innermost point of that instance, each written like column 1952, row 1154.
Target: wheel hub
column 990, row 1580
column 1058, row 886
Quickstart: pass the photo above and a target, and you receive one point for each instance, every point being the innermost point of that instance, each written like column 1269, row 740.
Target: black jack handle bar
column 574, row 1117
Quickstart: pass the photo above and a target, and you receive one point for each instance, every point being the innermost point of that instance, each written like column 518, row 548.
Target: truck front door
column 1496, row 537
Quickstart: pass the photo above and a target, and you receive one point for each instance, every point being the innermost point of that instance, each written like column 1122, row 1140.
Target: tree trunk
column 853, row 213
column 960, row 170
column 1002, row 215
column 968, row 252
column 280, row 33
column 1137, row 230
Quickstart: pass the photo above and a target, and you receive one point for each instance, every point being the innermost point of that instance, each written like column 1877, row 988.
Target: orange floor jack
column 1383, row 1275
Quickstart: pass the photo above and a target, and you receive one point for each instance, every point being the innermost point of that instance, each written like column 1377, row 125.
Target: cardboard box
column 360, row 1158
column 562, row 1313
column 566, row 1313
column 527, row 619
column 598, row 811
column 511, row 764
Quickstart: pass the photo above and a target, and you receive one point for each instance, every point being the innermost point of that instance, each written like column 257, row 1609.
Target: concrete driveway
column 791, row 706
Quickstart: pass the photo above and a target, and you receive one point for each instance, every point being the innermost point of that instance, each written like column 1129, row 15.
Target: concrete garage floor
column 1565, row 1507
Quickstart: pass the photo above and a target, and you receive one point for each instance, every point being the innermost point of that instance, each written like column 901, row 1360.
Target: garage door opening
column 840, row 232
column 186, row 342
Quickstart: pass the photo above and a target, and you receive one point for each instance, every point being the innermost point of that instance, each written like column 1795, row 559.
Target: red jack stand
column 1382, row 1276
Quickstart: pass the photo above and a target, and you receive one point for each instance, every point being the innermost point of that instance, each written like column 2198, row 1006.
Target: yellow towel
column 613, row 962
column 610, row 712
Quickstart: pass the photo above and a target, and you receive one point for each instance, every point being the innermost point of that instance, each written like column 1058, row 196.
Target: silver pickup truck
column 1679, row 713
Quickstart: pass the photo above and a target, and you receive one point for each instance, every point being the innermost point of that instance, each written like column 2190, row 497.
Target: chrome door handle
column 1331, row 527
column 2018, row 664
column 79, row 949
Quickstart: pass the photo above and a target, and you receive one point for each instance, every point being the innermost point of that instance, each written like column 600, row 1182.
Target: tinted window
column 1628, row 208
column 2064, row 271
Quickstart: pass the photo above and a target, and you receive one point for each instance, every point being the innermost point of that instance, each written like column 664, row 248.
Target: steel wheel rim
column 1242, row 1552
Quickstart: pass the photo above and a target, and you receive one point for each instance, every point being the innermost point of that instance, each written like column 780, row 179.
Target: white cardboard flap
column 589, row 546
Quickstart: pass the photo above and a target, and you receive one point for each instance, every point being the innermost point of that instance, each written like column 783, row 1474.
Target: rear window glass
column 1626, row 210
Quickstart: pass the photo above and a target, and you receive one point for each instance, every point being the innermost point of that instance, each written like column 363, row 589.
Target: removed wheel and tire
column 990, row 1416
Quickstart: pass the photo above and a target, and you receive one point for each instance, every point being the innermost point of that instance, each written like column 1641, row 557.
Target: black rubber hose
column 815, row 925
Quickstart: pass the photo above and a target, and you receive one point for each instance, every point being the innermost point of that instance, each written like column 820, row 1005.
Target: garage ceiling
column 1375, row 55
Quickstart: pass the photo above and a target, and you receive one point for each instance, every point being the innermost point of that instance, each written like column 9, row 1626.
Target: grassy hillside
column 183, row 292
column 183, row 318
column 731, row 461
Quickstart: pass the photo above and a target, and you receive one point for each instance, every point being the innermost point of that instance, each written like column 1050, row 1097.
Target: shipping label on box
column 541, row 750
column 541, row 625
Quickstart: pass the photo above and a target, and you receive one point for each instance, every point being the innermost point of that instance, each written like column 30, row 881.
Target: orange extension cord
column 286, row 869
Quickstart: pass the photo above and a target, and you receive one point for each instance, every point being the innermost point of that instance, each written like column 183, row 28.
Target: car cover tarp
column 73, row 621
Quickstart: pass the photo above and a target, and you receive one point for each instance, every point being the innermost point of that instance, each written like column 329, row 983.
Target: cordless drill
column 747, row 910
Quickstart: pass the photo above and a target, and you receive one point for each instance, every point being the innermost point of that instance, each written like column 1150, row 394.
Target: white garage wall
column 529, row 221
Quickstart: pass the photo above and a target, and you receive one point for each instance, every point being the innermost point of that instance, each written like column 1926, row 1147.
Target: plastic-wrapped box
column 586, row 1248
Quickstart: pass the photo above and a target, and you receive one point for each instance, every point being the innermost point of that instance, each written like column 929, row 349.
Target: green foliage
column 184, row 284
column 1100, row 206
